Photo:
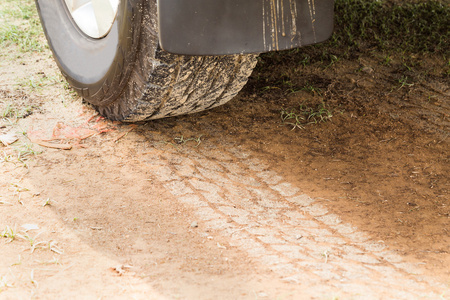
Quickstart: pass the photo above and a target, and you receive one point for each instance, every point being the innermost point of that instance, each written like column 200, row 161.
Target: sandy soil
column 231, row 203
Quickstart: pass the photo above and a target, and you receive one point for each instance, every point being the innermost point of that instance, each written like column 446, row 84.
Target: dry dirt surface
column 231, row 203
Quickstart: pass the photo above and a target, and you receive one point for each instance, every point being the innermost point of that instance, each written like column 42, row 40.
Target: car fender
column 217, row 27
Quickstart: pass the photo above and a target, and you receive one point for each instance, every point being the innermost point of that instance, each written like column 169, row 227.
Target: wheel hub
column 93, row 17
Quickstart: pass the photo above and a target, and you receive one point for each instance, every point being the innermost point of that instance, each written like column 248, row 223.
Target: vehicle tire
column 126, row 76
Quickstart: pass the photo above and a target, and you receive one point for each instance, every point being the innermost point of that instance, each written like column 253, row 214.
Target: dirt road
column 226, row 204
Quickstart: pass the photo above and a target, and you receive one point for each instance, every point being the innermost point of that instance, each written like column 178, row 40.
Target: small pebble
column 194, row 224
column 262, row 295
column 367, row 70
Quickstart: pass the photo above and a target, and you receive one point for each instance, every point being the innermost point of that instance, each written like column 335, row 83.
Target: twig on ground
column 124, row 134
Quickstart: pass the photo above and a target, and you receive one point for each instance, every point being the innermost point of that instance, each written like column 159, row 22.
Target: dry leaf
column 8, row 138
column 52, row 145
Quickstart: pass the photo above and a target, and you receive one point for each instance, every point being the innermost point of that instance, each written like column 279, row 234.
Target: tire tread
column 160, row 84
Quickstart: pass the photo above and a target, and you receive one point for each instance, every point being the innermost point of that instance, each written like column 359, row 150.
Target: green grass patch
column 19, row 153
column 13, row 111
column 407, row 27
column 20, row 25
column 306, row 114
column 398, row 34
column 40, row 81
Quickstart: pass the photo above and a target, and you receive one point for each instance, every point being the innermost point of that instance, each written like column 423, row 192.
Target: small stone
column 8, row 138
column 27, row 227
column 262, row 295
column 367, row 70
column 194, row 224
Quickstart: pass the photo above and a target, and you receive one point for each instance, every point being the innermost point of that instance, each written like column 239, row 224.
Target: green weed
column 19, row 154
column 37, row 83
column 20, row 25
column 9, row 233
column 182, row 140
column 292, row 118
column 11, row 111
column 3, row 202
column 34, row 243
column 305, row 115
column 25, row 150
column 47, row 202
column 309, row 87
column 4, row 284
column 404, row 82
column 387, row 60
column 32, row 280
column 267, row 88
column 305, row 60
column 8, row 111
column 18, row 263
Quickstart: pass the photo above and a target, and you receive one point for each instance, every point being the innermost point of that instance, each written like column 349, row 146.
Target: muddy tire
column 126, row 76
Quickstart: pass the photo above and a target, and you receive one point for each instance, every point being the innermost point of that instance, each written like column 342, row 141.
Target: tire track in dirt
column 247, row 206
column 240, row 203
column 285, row 230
